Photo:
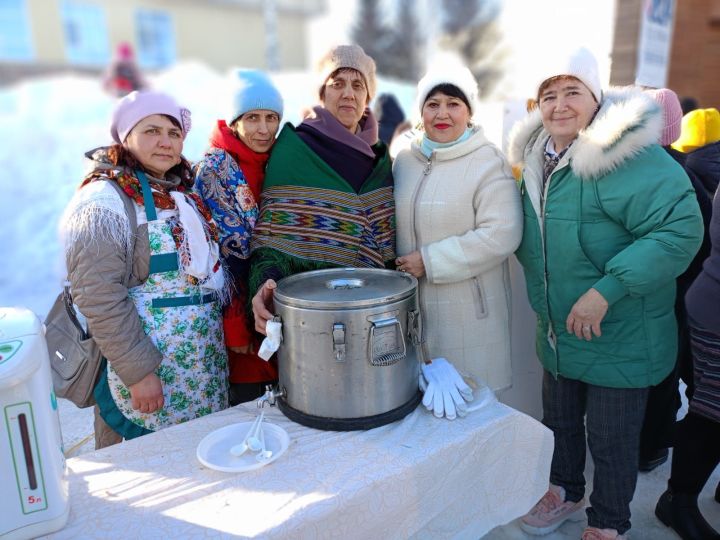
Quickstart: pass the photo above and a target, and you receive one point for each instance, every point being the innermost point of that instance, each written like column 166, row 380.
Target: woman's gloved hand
column 445, row 391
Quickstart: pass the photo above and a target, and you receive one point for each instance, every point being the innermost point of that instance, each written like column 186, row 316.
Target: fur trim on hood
column 628, row 122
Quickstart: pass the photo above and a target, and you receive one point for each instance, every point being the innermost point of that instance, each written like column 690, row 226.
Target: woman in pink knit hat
column 658, row 432
column 143, row 266
column 695, row 456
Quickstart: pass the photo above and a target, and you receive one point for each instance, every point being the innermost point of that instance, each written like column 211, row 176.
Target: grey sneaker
column 551, row 511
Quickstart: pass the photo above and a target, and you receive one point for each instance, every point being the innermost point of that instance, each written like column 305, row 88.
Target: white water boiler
column 34, row 487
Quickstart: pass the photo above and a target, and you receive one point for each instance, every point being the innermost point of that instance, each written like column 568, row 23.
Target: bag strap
column 70, row 310
column 132, row 218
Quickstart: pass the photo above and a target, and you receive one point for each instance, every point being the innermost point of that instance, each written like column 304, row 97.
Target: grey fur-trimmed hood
column 628, row 121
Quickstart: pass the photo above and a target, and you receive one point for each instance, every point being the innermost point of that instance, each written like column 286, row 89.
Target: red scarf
column 250, row 162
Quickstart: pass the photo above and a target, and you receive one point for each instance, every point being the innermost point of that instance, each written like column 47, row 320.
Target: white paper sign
column 656, row 28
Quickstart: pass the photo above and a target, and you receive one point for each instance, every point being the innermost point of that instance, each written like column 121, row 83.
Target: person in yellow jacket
column 699, row 128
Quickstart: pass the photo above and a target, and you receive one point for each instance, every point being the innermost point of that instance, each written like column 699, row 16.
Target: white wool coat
column 461, row 209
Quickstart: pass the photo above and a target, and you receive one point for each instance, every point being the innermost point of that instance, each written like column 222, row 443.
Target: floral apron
column 185, row 324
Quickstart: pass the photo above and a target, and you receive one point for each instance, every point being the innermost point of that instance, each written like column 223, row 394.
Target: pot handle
column 338, row 336
column 392, row 356
column 415, row 327
column 416, row 335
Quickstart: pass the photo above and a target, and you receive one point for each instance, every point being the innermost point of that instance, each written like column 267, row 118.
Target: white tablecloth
column 417, row 478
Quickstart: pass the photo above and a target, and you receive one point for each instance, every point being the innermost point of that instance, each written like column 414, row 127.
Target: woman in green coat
column 610, row 220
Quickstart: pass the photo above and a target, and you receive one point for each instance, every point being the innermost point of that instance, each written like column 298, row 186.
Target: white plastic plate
column 214, row 450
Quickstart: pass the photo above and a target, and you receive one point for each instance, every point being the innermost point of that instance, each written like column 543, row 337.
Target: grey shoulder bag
column 75, row 357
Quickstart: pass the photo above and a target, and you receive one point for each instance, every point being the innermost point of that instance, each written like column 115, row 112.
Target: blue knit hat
column 252, row 90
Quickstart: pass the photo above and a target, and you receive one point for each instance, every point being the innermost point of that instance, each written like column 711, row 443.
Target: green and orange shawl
column 311, row 218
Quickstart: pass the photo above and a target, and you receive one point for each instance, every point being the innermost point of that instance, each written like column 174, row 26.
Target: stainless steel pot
column 348, row 357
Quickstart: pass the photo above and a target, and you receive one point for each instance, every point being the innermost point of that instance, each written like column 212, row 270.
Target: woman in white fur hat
column 610, row 220
column 458, row 220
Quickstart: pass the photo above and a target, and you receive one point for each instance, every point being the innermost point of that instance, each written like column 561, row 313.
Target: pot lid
column 344, row 288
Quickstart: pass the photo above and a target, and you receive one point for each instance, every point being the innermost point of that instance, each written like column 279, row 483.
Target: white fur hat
column 448, row 69
column 579, row 63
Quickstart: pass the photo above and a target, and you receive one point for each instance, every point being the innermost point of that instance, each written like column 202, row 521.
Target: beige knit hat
column 348, row 56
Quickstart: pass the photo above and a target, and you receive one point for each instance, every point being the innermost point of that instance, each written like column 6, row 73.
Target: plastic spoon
column 254, row 441
column 264, row 453
column 239, row 449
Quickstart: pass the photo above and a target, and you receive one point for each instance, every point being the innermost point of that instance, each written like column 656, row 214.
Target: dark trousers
column 685, row 358
column 659, row 425
column 614, row 419
column 664, row 401
column 696, row 454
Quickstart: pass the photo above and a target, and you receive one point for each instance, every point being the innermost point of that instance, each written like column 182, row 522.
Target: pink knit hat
column 670, row 105
column 124, row 51
column 138, row 105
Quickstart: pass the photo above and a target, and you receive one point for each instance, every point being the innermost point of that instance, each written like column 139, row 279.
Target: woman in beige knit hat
column 331, row 166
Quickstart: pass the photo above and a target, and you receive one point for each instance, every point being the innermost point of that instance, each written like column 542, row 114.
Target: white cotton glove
column 445, row 390
column 272, row 341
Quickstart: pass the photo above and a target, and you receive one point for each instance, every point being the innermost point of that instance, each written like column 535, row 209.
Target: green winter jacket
column 618, row 215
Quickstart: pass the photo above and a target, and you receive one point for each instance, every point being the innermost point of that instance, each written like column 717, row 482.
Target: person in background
column 161, row 334
column 229, row 178
column 402, row 138
column 658, row 432
column 458, row 220
column 688, row 104
column 699, row 148
column 327, row 198
column 700, row 143
column 530, row 106
column 600, row 259
column 697, row 452
column 123, row 75
column 389, row 115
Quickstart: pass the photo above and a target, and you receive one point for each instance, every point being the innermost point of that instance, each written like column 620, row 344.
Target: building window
column 86, row 37
column 15, row 39
column 155, row 38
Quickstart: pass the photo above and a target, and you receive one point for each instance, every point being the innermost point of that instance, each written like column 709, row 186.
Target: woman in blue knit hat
column 229, row 178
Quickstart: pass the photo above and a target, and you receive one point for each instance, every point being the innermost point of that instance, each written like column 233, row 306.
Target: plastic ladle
column 239, row 449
